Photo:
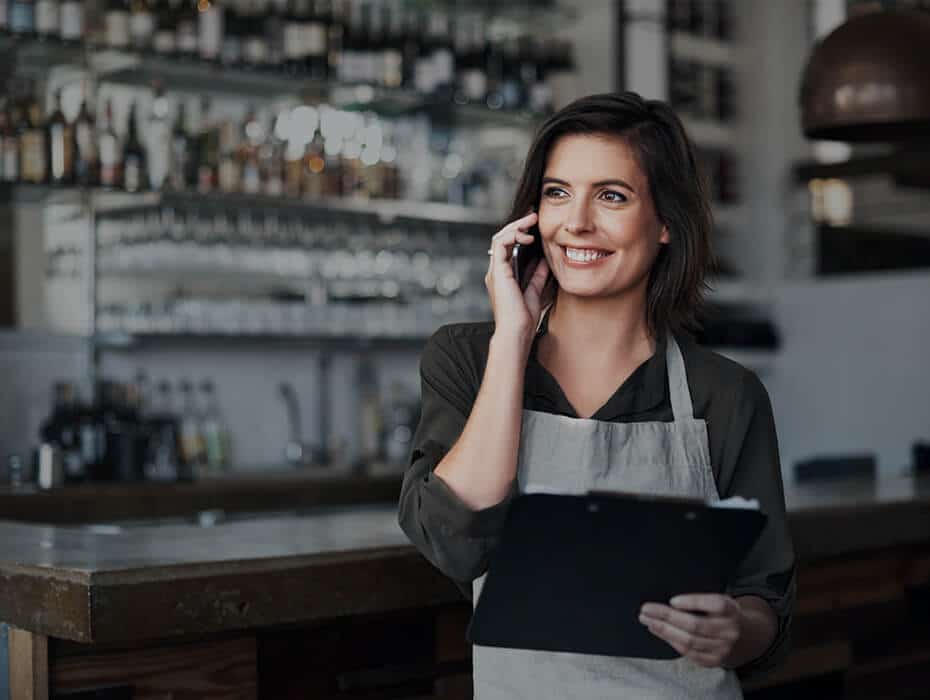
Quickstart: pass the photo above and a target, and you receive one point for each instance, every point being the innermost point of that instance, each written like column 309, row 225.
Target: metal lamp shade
column 869, row 80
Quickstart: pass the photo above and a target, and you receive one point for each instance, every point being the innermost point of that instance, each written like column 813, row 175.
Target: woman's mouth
column 584, row 257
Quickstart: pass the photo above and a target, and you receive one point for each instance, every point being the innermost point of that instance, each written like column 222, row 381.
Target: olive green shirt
column 729, row 397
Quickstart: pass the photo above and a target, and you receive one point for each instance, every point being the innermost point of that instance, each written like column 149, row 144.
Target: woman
column 591, row 369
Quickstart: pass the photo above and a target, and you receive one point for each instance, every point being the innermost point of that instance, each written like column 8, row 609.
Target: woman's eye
column 554, row 192
column 611, row 196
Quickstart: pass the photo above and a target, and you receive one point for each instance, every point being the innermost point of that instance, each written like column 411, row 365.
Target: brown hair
column 675, row 291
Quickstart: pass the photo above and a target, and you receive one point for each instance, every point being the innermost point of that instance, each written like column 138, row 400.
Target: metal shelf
column 122, row 341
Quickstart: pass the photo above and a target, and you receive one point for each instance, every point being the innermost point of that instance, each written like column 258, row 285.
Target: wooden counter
column 864, row 593
column 236, row 491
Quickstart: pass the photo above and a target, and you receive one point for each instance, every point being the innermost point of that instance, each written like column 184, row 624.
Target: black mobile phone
column 522, row 257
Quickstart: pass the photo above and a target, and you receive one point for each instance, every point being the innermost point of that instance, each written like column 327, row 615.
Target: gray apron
column 566, row 455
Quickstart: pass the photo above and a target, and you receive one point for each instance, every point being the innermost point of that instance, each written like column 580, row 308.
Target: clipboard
column 570, row 573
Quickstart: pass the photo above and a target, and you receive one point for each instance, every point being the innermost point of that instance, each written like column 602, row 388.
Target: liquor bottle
column 229, row 174
column 273, row 31
column 315, row 50
column 335, row 37
column 164, row 41
column 511, row 86
column 297, row 13
column 192, row 443
column 60, row 138
column 48, row 19
column 110, row 150
column 208, row 151
column 392, row 55
column 183, row 171
column 424, row 80
column 255, row 49
column 86, row 159
column 117, row 21
column 33, row 148
column 72, row 21
column 411, row 47
column 9, row 145
column 350, row 66
column 210, row 29
column 494, row 65
column 231, row 46
column 186, row 26
column 134, row 160
column 23, row 17
column 250, row 142
column 216, row 436
column 443, row 56
column 141, row 24
column 163, row 459
column 159, row 140
column 61, row 429
column 369, row 53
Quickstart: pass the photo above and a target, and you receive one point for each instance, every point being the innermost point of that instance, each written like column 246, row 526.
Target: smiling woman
column 588, row 380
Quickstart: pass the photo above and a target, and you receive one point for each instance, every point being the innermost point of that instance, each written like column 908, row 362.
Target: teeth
column 584, row 255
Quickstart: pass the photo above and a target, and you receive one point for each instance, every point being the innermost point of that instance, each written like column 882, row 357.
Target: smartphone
column 523, row 256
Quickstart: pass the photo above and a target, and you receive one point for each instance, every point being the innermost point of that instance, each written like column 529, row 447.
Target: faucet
column 297, row 452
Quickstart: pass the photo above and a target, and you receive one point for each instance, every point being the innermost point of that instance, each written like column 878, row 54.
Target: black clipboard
column 570, row 573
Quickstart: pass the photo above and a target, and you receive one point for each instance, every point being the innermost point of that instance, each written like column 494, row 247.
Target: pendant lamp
column 869, row 80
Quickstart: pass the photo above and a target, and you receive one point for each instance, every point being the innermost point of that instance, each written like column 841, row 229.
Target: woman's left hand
column 703, row 627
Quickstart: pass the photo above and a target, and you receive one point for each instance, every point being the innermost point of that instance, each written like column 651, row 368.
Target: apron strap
column 680, row 395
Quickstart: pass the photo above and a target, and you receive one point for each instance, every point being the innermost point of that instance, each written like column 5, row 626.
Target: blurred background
column 228, row 227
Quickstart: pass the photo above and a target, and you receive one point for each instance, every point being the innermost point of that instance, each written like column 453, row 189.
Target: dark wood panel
column 317, row 588
column 219, row 670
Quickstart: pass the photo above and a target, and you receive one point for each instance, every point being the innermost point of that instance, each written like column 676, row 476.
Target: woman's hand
column 515, row 311
column 704, row 627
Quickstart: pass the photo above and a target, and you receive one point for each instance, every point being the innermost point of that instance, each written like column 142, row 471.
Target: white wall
column 853, row 374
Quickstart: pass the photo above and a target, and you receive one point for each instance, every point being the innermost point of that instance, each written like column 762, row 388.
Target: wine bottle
column 72, row 21
column 9, row 145
column 60, row 139
column 110, row 150
column 159, row 140
column 443, row 58
column 134, row 156
column 210, row 29
column 182, row 173
column 186, row 26
column 48, row 19
column 273, row 29
column 86, row 160
column 33, row 147
column 392, row 53
column 23, row 17
column 117, row 20
column 255, row 52
column 297, row 13
column 141, row 24
column 315, row 50
column 164, row 41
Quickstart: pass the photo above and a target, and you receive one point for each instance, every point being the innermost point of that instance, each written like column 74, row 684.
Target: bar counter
column 277, row 586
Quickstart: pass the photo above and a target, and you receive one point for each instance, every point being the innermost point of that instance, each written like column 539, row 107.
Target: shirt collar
column 644, row 390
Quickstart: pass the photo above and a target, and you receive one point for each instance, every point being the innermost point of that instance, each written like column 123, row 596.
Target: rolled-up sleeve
column 452, row 536
column 751, row 463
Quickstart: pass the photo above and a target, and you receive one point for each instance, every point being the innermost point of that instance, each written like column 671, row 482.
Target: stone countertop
column 120, row 583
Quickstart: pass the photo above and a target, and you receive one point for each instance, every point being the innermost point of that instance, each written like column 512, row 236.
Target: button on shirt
column 729, row 397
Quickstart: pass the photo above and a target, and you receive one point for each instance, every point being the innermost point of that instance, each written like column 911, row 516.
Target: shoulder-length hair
column 675, row 291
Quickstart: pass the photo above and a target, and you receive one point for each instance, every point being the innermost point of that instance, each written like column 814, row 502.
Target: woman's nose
column 579, row 219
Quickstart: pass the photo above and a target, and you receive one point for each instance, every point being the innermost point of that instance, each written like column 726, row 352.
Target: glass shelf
column 33, row 57
column 386, row 210
column 119, row 340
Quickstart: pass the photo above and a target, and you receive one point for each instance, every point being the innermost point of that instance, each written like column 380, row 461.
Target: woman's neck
column 601, row 329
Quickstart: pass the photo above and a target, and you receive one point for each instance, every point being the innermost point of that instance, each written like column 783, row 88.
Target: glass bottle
column 216, row 436
column 117, row 20
column 180, row 173
column 33, row 147
column 60, row 137
column 141, row 24
column 210, row 29
column 134, row 157
column 72, row 21
column 159, row 140
column 110, row 150
column 48, row 19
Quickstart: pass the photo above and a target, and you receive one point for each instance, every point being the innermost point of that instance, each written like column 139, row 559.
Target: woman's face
column 599, row 228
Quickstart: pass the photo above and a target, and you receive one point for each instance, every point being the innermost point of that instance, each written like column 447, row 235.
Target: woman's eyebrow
column 599, row 183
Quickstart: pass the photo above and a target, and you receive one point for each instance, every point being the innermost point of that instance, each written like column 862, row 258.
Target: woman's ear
column 663, row 236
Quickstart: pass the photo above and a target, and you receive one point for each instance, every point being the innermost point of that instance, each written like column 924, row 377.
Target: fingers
column 503, row 241
column 707, row 637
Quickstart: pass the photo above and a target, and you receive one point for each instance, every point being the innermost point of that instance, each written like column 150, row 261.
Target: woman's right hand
column 514, row 311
